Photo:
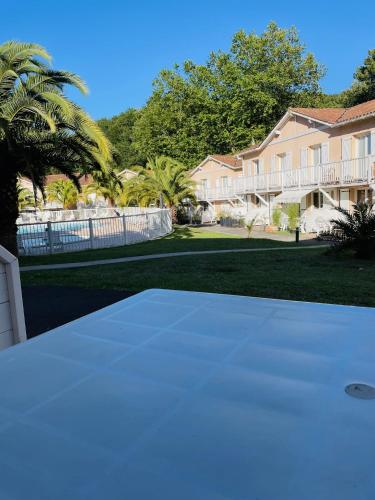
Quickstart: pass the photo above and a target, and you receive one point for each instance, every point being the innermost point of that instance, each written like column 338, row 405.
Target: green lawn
column 306, row 274
column 182, row 239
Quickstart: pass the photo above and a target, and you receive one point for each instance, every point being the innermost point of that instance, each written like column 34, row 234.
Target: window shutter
column 325, row 153
column 372, row 144
column 289, row 161
column 346, row 148
column 273, row 163
column 208, row 183
column 261, row 166
column 217, row 183
column 229, row 181
column 304, row 153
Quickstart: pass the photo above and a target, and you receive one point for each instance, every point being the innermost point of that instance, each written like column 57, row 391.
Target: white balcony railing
column 339, row 173
column 224, row 193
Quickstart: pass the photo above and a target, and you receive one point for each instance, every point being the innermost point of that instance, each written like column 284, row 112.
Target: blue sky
column 118, row 47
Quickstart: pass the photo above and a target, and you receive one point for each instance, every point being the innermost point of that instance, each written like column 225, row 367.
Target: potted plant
column 276, row 221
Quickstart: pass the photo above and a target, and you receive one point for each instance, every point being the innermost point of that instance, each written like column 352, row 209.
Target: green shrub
column 276, row 217
column 292, row 212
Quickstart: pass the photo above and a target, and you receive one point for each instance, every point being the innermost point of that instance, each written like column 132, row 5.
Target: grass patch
column 182, row 239
column 308, row 275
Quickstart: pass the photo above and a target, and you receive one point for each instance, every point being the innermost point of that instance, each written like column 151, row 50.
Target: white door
column 344, row 199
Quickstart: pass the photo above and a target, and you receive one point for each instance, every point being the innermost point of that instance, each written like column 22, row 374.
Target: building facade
column 319, row 158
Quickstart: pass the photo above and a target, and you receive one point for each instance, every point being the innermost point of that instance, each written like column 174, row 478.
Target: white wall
column 12, row 322
column 6, row 333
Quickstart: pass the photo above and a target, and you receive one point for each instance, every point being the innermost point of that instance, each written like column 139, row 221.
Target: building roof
column 83, row 180
column 326, row 115
column 333, row 117
column 338, row 115
column 127, row 173
column 228, row 160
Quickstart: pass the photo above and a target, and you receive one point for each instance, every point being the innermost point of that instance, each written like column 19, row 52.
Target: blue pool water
column 56, row 226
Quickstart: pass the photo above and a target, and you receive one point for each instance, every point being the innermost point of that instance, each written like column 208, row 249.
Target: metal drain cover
column 360, row 391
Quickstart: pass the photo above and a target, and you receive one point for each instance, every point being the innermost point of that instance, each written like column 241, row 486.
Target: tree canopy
column 40, row 128
column 233, row 99
column 363, row 88
column 119, row 130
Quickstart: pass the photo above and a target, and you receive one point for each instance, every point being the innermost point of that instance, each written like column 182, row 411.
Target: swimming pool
column 56, row 226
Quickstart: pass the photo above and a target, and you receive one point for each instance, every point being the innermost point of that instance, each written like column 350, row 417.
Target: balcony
column 340, row 173
column 225, row 193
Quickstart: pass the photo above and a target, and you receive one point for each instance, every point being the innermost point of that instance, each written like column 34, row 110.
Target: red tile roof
column 328, row 115
column 229, row 160
column 336, row 116
column 85, row 179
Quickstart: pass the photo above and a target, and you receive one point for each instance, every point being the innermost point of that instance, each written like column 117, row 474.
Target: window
column 316, row 154
column 318, row 199
column 364, row 145
column 249, row 173
column 256, row 167
column 361, row 195
column 224, row 182
column 282, row 162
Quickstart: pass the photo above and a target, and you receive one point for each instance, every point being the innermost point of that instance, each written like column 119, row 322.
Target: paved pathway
column 121, row 260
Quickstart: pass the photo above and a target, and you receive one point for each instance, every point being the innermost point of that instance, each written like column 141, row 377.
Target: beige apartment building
column 319, row 158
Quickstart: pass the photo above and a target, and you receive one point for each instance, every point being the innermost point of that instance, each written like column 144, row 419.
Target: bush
column 276, row 217
column 354, row 231
column 292, row 212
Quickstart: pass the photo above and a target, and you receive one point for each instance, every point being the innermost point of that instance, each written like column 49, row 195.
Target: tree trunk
column 8, row 209
column 173, row 211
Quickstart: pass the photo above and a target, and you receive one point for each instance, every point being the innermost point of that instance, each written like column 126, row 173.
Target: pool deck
column 184, row 395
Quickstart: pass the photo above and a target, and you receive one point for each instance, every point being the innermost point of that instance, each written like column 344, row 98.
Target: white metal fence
column 40, row 238
column 31, row 216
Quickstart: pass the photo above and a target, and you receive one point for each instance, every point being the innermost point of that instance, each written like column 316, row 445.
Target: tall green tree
column 40, row 129
column 119, row 130
column 363, row 88
column 233, row 99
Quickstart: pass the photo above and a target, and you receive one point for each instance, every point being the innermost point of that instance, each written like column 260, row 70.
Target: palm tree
column 40, row 129
column 25, row 197
column 164, row 181
column 107, row 185
column 64, row 192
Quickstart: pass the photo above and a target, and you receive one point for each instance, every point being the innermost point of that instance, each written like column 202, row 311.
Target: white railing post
column 91, row 232
column 340, row 172
column 49, row 236
column 369, row 175
column 124, row 228
column 147, row 226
